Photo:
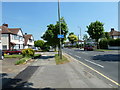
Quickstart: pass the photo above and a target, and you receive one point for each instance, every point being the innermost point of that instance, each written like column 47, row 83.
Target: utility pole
column 80, row 36
column 60, row 49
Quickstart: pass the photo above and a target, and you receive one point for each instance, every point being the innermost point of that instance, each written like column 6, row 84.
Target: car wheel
column 19, row 53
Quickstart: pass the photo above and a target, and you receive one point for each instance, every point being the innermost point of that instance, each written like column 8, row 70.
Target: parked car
column 1, row 54
column 88, row 48
column 10, row 52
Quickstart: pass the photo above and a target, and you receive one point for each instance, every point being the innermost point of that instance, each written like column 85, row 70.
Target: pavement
column 44, row 73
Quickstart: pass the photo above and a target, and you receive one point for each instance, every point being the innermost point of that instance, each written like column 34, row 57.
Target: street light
column 80, row 36
column 60, row 50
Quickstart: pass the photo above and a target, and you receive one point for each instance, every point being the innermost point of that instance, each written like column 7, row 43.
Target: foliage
column 72, row 38
column 28, row 52
column 96, row 30
column 114, row 42
column 53, row 30
column 22, row 61
column 39, row 43
column 13, row 56
column 60, row 61
column 103, row 43
column 107, row 35
column 85, row 37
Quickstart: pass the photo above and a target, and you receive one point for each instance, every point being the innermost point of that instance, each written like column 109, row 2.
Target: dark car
column 88, row 48
column 10, row 52
column 1, row 54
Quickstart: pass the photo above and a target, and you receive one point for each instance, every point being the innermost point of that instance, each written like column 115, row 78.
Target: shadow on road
column 107, row 57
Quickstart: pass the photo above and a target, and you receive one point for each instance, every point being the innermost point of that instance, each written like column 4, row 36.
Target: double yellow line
column 100, row 73
column 97, row 72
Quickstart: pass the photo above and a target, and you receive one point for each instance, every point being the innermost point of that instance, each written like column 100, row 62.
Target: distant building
column 29, row 41
column 70, row 44
column 114, row 34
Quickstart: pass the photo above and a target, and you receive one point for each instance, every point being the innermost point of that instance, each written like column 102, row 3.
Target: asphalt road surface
column 104, row 62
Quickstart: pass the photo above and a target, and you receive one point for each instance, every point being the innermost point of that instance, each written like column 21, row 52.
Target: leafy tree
column 107, row 35
column 72, row 38
column 53, row 30
column 39, row 43
column 85, row 38
column 96, row 30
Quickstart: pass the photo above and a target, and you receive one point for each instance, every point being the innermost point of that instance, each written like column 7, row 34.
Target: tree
column 39, row 43
column 107, row 35
column 96, row 30
column 85, row 38
column 72, row 38
column 53, row 30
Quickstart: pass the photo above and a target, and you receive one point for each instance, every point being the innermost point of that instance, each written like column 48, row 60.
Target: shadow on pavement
column 46, row 57
column 107, row 57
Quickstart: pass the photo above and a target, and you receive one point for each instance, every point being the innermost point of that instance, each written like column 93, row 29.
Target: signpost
column 60, row 36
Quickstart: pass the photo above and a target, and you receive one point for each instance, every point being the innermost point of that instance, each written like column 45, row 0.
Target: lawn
column 13, row 56
column 60, row 61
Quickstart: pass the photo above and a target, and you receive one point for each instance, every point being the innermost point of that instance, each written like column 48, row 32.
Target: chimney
column 112, row 29
column 25, row 33
column 5, row 25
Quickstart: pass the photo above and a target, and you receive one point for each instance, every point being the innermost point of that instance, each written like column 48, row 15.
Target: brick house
column 29, row 41
column 114, row 34
column 11, row 38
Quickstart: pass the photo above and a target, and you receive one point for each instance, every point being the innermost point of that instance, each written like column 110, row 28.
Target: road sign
column 60, row 36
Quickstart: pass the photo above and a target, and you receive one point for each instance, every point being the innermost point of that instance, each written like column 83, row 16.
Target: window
column 4, row 47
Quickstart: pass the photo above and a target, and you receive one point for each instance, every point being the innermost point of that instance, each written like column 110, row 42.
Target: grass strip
column 22, row 60
column 60, row 61
column 103, row 50
column 13, row 56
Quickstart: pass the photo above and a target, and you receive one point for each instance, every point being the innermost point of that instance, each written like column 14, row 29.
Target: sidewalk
column 69, row 75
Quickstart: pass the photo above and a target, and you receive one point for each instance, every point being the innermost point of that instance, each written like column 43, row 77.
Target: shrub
column 114, row 42
column 103, row 43
column 28, row 52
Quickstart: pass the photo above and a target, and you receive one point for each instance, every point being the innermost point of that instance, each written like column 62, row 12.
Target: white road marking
column 78, row 56
column 94, row 63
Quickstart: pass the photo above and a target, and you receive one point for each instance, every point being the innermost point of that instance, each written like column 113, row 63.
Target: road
column 104, row 62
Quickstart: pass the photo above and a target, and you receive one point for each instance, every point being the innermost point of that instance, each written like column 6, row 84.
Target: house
column 12, row 38
column 69, row 43
column 0, row 38
column 114, row 34
column 29, row 41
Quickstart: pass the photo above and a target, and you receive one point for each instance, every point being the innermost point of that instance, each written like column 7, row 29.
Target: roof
column 27, row 37
column 114, row 33
column 5, row 30
column 14, row 30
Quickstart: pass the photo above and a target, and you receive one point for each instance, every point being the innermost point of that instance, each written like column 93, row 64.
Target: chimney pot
column 5, row 25
column 112, row 29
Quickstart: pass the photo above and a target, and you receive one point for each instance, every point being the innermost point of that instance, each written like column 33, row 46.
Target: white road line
column 78, row 56
column 94, row 63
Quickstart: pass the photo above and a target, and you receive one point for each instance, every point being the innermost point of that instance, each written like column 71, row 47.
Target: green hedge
column 103, row 43
column 112, row 42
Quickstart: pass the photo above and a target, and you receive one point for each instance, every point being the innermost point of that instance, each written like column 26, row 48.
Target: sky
column 33, row 17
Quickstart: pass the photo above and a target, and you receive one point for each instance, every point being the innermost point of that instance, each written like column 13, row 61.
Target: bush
column 103, row 43
column 28, row 52
column 114, row 42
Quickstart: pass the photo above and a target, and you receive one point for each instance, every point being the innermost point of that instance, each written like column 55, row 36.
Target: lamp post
column 80, row 36
column 60, row 49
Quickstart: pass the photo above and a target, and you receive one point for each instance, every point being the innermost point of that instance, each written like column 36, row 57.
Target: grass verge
column 60, row 61
column 13, row 56
column 103, row 50
column 22, row 60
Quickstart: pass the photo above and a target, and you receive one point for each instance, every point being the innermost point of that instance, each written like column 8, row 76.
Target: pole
column 60, row 51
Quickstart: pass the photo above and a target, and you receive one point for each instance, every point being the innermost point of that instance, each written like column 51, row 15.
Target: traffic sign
column 60, row 36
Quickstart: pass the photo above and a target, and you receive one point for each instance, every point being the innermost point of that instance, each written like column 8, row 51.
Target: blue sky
column 33, row 17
